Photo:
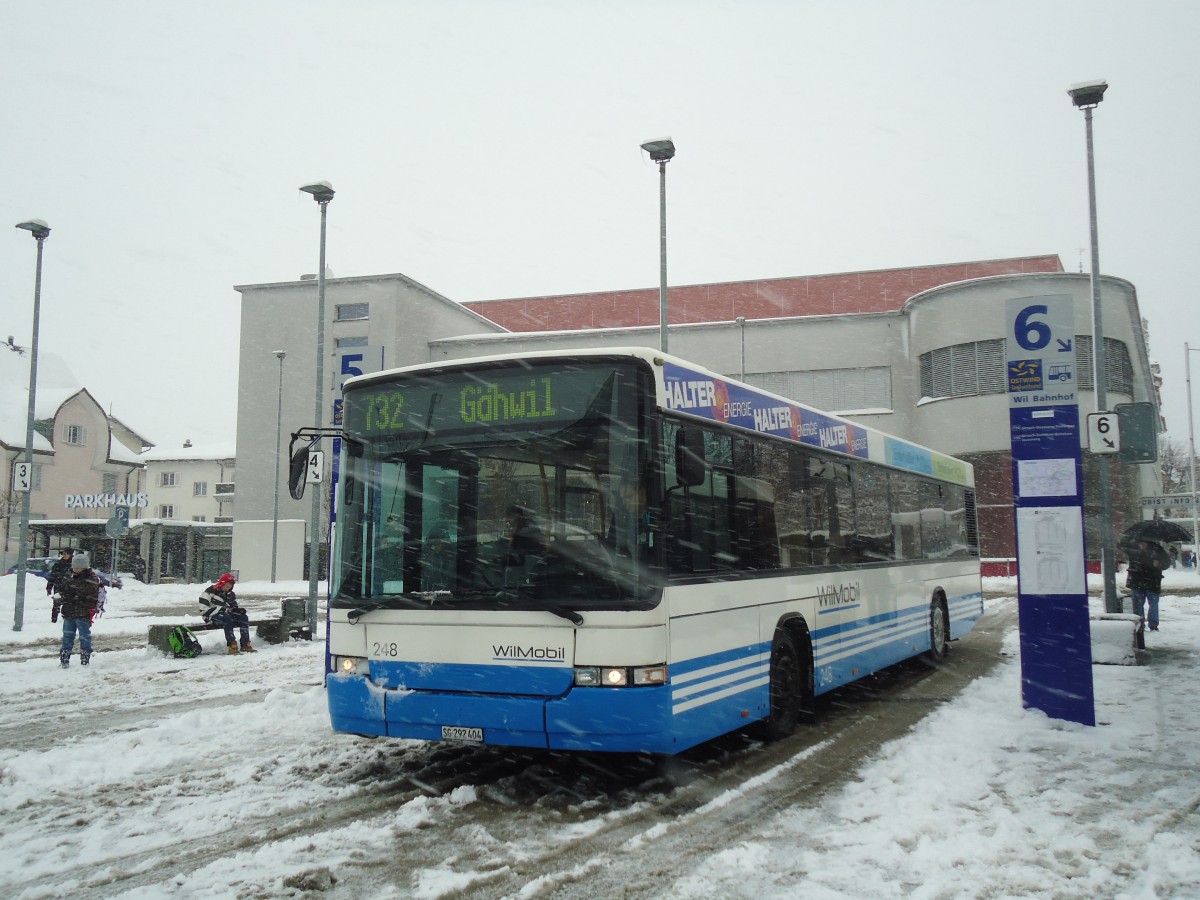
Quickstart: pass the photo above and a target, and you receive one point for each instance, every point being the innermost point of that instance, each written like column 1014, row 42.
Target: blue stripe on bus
column 724, row 680
column 964, row 612
column 849, row 639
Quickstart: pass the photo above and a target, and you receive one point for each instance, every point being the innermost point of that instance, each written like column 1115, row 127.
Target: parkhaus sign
column 104, row 501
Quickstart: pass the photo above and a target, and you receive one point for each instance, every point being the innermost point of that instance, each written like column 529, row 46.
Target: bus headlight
column 350, row 665
column 614, row 677
column 619, row 676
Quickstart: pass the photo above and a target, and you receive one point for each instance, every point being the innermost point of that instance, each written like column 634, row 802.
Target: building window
column 964, row 370
column 347, row 312
column 224, row 490
column 166, row 479
column 968, row 370
column 166, row 511
column 75, row 435
column 222, row 520
column 109, row 483
column 1118, row 369
column 833, row 390
column 350, row 342
column 200, row 489
column 35, row 477
column 199, row 518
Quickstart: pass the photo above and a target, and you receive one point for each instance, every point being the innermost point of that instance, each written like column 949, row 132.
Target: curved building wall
column 971, row 318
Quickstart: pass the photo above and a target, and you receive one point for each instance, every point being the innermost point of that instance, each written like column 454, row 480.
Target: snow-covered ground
column 113, row 780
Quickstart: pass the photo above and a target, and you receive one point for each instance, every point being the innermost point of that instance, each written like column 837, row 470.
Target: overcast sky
column 490, row 149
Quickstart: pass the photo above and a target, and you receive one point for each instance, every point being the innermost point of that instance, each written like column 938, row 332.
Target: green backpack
column 184, row 643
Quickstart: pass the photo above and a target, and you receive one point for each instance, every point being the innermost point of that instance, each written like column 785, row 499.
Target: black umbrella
column 1157, row 530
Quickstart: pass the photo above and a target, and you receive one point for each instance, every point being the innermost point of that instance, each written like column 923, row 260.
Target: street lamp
column 1187, row 360
column 40, row 231
column 280, row 354
column 662, row 151
column 1087, row 96
column 741, row 322
column 322, row 192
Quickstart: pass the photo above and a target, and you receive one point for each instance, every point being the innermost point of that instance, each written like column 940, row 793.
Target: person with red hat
column 220, row 607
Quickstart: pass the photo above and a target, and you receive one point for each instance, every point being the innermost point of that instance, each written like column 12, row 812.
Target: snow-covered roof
column 216, row 450
column 118, row 452
column 55, row 384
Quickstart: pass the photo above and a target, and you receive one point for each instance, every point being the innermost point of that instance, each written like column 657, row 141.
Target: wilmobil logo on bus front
column 515, row 652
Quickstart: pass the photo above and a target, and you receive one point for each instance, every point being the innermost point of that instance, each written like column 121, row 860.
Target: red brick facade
column 850, row 293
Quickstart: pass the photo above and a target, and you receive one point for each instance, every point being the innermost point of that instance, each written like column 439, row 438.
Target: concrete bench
column 291, row 624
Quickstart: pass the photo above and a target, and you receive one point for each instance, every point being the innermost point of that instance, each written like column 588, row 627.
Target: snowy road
column 145, row 776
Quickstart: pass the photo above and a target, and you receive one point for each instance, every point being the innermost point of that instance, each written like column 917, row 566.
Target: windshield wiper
column 526, row 599
column 404, row 601
column 569, row 614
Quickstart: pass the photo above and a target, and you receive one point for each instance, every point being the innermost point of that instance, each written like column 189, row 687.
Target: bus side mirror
column 297, row 470
column 689, row 457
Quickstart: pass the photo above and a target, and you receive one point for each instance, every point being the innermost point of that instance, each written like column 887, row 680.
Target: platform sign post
column 1047, row 470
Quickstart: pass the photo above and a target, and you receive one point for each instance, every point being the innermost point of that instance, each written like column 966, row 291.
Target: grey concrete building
column 915, row 352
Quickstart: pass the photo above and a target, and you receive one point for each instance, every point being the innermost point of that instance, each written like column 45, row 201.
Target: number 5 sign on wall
column 354, row 361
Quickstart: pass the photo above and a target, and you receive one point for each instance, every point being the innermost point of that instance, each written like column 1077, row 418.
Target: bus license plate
column 464, row 735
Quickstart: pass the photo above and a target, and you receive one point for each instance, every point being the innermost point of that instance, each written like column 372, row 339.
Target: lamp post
column 40, row 231
column 1187, row 360
column 322, row 192
column 741, row 322
column 1087, row 96
column 662, row 151
column 280, row 354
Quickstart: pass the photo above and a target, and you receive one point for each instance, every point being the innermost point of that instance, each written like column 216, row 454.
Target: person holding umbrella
column 1147, row 560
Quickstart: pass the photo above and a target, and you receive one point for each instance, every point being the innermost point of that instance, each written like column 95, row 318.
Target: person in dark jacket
column 76, row 602
column 220, row 607
column 522, row 544
column 1147, row 560
column 60, row 571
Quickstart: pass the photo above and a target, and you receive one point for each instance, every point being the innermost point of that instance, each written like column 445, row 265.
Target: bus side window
column 754, row 524
column 906, row 516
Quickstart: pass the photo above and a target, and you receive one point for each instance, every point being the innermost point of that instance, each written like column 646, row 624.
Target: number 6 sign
column 1040, row 357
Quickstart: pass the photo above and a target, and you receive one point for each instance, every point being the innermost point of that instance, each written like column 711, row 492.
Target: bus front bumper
column 622, row 720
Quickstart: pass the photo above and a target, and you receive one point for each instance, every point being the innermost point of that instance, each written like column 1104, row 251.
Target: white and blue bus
column 617, row 550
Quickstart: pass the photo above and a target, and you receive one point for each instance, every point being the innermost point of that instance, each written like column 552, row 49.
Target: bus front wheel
column 791, row 688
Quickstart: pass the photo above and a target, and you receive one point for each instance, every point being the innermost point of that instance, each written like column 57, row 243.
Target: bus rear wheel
column 939, row 630
column 791, row 688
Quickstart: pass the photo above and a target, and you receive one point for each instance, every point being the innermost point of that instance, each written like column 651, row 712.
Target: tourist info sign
column 1043, row 416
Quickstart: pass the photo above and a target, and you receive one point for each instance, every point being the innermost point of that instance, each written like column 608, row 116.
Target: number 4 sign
column 315, row 471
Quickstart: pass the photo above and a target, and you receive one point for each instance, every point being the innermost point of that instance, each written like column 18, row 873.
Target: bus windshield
column 517, row 485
